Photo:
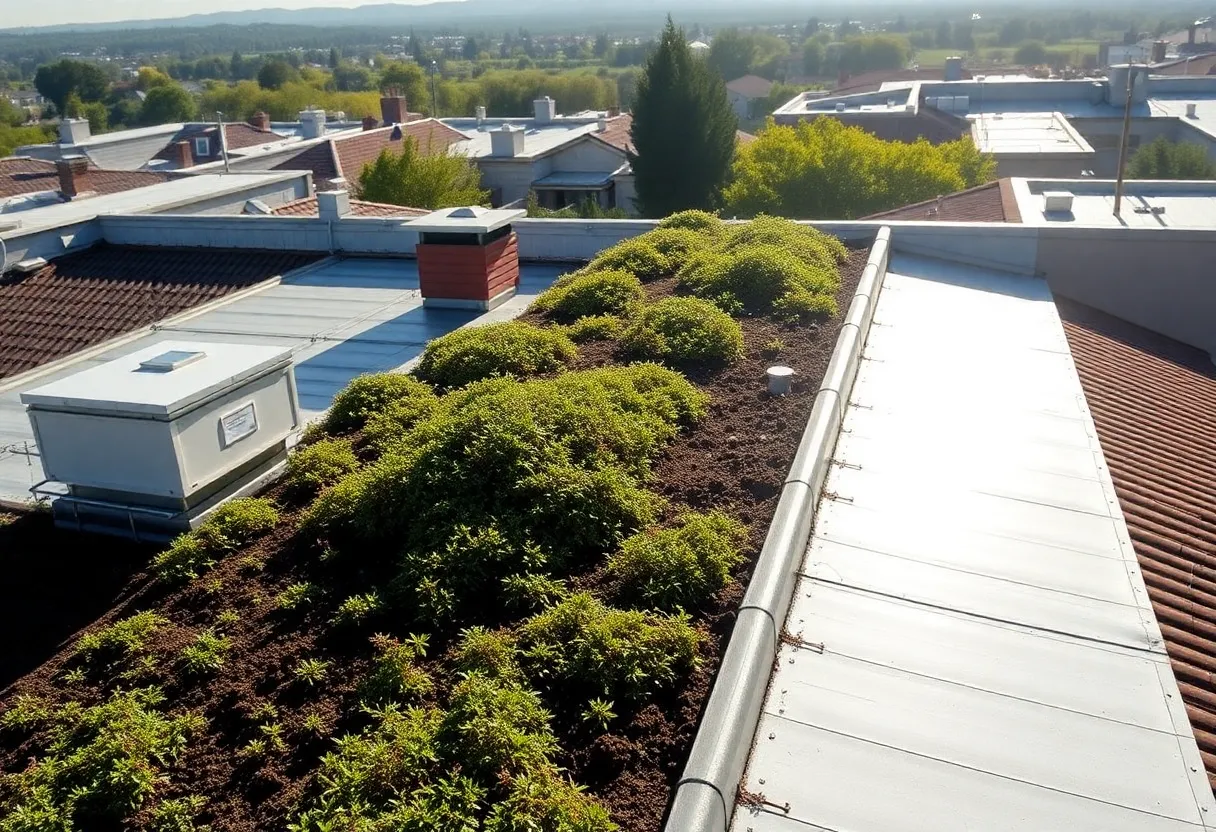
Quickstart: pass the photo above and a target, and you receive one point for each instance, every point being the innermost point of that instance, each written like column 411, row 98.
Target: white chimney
column 312, row 123
column 1190, row 110
column 333, row 205
column 507, row 141
column 602, row 126
column 73, row 130
column 546, row 110
column 481, row 114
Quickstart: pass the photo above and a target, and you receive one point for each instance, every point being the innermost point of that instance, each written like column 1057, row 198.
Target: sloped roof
column 237, row 134
column 1198, row 65
column 751, row 86
column 21, row 175
column 990, row 202
column 307, row 207
column 362, row 148
column 617, row 133
column 1153, row 401
column 83, row 299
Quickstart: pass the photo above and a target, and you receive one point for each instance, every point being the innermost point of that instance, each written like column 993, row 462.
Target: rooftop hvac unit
column 1057, row 202
column 146, row 444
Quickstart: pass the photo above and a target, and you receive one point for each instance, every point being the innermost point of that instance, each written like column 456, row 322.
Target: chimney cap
column 468, row 220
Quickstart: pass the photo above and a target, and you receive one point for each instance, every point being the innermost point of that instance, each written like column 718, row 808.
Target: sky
column 28, row 13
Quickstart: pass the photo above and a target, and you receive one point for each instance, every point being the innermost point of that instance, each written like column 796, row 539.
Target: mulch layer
column 57, row 585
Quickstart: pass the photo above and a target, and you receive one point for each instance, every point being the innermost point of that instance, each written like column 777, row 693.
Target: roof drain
column 705, row 795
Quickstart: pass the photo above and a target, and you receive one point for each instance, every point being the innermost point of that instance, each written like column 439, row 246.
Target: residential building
column 748, row 95
column 1033, row 127
column 986, row 598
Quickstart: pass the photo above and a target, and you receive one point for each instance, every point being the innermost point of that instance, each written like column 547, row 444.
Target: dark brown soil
column 56, row 583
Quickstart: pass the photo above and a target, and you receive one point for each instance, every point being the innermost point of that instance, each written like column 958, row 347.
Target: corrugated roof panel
column 971, row 645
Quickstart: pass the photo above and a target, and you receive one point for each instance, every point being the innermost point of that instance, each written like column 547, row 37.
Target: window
column 202, row 146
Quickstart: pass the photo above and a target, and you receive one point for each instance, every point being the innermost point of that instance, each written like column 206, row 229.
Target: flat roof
column 1026, row 133
column 538, row 138
column 971, row 645
column 340, row 318
column 1146, row 204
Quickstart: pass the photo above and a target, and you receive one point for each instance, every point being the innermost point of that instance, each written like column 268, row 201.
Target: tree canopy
column 683, row 133
column 823, row 169
column 59, row 80
column 1163, row 159
column 275, row 74
column 731, row 54
column 418, row 179
column 168, row 103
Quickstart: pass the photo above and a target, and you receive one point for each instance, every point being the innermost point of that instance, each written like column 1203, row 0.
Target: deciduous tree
column 420, row 179
column 731, row 54
column 683, row 133
column 67, row 77
column 1163, row 159
column 166, row 104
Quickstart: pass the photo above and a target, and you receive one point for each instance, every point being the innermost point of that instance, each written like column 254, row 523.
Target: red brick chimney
column 73, row 176
column 370, row 123
column 261, row 121
column 393, row 109
column 183, row 155
column 468, row 258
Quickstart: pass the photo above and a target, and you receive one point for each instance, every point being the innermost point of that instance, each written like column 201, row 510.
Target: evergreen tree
column 683, row 132
column 1163, row 159
column 334, row 58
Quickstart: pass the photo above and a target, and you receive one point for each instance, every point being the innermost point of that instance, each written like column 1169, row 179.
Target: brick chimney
column 468, row 258
column 73, row 176
column 261, row 121
column 393, row 109
column 370, row 123
column 183, row 155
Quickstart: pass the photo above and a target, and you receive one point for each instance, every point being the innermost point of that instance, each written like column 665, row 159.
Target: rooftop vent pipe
column 546, row 110
column 1190, row 110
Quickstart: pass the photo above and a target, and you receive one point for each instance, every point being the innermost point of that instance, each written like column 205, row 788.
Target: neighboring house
column 748, row 95
column 199, row 144
column 991, row 202
column 308, row 207
column 120, row 150
column 29, row 183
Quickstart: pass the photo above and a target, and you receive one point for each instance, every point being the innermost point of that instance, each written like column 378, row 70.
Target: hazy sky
column 32, row 13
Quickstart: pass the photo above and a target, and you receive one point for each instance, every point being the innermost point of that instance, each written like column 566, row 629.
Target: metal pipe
column 219, row 120
column 1127, row 127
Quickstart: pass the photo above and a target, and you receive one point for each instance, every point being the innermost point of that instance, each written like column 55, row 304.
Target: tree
column 1031, row 53
column 67, row 77
column 812, row 28
column 683, row 132
column 944, row 37
column 94, row 111
column 275, row 74
column 335, row 59
column 964, row 36
column 409, row 80
column 353, row 78
column 731, row 54
column 602, row 45
column 470, row 49
column 420, row 179
column 1163, row 159
column 812, row 57
column 236, row 66
column 167, row 104
column 1013, row 31
column 824, row 169
column 863, row 54
column 10, row 115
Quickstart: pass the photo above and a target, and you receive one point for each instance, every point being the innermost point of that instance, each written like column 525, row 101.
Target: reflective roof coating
column 971, row 646
column 340, row 318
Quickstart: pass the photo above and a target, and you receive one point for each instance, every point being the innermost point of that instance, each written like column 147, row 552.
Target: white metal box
column 167, row 426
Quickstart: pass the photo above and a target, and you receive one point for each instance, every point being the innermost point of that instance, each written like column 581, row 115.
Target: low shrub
column 543, row 800
column 297, row 596
column 638, row 257
column 177, row 814
column 311, row 672
column 682, row 566
column 228, row 528
column 357, row 609
column 510, row 348
column 121, row 641
column 595, row 328
column 395, row 677
column 205, row 654
column 495, row 729
column 101, row 764
column 677, row 245
column 391, row 424
column 319, row 465
column 684, row 330
column 802, row 241
column 590, row 650
column 702, row 222
column 490, row 653
column 759, row 278
column 529, row 593
column 370, row 394
column 591, row 293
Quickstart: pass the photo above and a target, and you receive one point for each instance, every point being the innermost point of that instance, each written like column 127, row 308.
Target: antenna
column 219, row 120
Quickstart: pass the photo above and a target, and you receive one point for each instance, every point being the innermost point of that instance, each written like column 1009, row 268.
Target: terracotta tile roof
column 319, row 158
column 363, row 148
column 617, row 133
column 83, row 299
column 990, row 202
column 237, row 133
column 1153, row 402
column 751, row 86
column 307, row 207
column 20, row 175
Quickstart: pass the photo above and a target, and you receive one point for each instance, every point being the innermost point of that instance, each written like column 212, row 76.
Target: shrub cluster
column 639, row 257
column 684, row 330
column 319, row 465
column 595, row 328
column 591, row 293
column 769, row 265
column 682, row 566
column 510, row 348
column 702, row 222
column 369, row 395
column 101, row 764
column 229, row 527
column 121, row 641
column 677, row 245
column 587, row 649
column 396, row 678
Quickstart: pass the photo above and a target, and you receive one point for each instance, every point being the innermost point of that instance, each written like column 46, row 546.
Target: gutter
column 704, row 798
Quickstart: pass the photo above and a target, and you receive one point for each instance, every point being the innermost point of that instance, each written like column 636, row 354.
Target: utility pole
column 1127, row 128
